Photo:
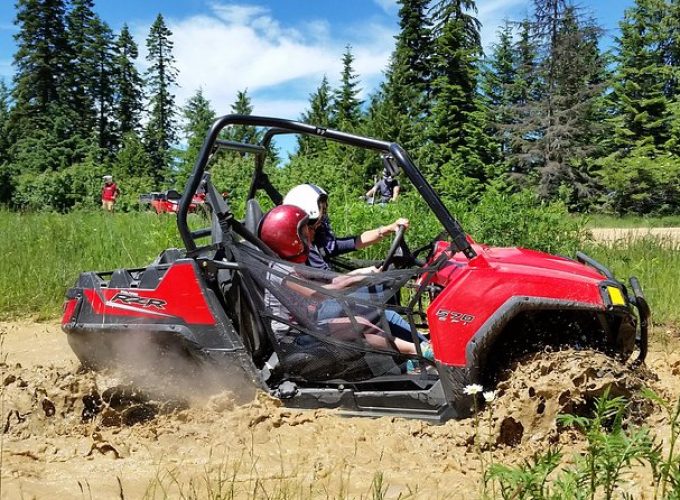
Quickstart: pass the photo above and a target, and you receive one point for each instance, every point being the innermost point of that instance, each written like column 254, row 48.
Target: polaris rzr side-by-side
column 209, row 303
column 168, row 201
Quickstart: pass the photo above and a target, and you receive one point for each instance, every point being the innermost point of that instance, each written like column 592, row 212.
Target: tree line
column 546, row 109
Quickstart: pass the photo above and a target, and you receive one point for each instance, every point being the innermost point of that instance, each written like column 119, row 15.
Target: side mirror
column 390, row 164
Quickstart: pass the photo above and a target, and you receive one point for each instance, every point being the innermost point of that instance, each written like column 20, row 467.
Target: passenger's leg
column 401, row 328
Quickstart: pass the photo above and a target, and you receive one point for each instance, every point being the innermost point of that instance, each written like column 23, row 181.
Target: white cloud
column 389, row 6
column 288, row 108
column 234, row 47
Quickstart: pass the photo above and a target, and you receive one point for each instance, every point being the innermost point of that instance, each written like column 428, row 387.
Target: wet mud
column 71, row 433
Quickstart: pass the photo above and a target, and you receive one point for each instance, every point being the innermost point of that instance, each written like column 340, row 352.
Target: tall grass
column 656, row 262
column 43, row 253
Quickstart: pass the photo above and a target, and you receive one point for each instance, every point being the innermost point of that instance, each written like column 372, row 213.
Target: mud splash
column 69, row 432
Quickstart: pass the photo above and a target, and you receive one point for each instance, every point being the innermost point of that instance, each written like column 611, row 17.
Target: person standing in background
column 386, row 190
column 110, row 192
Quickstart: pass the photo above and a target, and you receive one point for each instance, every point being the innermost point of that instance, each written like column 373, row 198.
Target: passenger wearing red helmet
column 286, row 231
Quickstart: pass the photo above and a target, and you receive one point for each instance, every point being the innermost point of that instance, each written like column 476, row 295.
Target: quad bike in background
column 168, row 201
column 207, row 303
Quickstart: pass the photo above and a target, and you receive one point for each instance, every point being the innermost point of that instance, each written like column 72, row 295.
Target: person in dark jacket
column 386, row 190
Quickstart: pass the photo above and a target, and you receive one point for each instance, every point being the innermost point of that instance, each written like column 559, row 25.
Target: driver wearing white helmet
column 314, row 200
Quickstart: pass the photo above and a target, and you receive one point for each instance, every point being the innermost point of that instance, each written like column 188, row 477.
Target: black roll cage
column 278, row 126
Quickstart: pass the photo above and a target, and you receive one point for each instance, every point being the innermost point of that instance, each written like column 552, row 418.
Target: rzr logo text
column 454, row 317
column 135, row 300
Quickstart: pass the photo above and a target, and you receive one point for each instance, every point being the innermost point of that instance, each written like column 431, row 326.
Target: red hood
column 520, row 261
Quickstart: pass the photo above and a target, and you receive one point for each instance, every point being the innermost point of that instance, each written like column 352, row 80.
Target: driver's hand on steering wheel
column 402, row 221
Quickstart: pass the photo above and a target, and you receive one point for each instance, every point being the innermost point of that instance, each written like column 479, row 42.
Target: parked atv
column 168, row 201
column 210, row 303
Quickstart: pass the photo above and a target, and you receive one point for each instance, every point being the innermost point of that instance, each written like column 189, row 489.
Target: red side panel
column 69, row 307
column 477, row 289
column 178, row 295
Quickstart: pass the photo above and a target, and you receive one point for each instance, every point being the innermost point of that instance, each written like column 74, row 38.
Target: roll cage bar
column 260, row 180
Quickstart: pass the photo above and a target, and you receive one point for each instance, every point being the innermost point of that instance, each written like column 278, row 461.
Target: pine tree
column 81, row 76
column 499, row 78
column 243, row 133
column 40, row 61
column 402, row 102
column 346, row 104
column 4, row 122
column 461, row 151
column 128, row 84
column 641, row 78
column 198, row 117
column 578, row 73
column 103, row 88
column 160, row 131
column 319, row 114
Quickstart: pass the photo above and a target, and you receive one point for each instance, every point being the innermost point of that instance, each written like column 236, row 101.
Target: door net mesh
column 324, row 325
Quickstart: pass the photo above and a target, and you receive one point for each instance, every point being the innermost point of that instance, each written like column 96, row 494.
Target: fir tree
column 40, row 61
column 4, row 122
column 128, row 84
column 560, row 80
column 103, row 88
column 132, row 160
column 319, row 114
column 641, row 78
column 578, row 71
column 81, row 76
column 160, row 131
column 499, row 78
column 346, row 104
column 403, row 100
column 198, row 117
column 243, row 133
column 461, row 150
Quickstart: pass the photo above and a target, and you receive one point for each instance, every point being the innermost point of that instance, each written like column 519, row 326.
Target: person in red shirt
column 110, row 192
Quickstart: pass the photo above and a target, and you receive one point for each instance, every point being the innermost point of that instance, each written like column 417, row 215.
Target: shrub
column 644, row 182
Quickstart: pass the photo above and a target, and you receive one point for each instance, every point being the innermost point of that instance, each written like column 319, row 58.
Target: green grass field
column 44, row 253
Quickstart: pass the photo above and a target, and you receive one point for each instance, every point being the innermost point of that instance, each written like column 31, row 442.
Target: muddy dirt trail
column 614, row 235
column 68, row 433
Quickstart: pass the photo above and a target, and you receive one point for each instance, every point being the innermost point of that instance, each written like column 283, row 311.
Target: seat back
column 254, row 216
column 121, row 278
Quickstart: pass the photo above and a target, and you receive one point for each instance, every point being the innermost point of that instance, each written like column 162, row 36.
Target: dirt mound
column 68, row 431
column 540, row 386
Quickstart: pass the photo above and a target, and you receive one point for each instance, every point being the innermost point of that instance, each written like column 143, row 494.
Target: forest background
column 544, row 118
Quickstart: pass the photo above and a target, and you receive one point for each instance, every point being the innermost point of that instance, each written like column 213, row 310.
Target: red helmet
column 283, row 230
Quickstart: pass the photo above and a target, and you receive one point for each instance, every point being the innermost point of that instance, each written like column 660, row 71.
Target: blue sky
column 278, row 49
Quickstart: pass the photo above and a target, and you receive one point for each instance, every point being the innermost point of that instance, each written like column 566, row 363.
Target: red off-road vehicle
column 209, row 303
column 168, row 201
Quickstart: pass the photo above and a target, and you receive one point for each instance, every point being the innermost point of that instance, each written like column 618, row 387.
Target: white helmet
column 307, row 197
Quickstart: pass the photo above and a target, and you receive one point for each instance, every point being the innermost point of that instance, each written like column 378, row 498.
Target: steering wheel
column 397, row 243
